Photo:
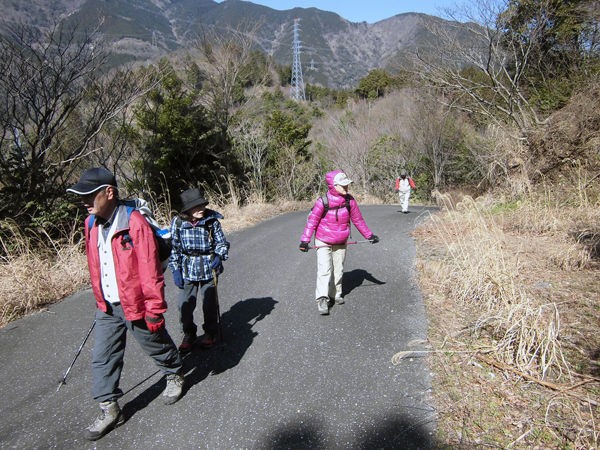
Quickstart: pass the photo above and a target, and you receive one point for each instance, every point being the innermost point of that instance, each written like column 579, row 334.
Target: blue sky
column 364, row 10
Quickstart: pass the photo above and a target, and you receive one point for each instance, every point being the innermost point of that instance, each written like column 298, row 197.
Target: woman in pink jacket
column 329, row 220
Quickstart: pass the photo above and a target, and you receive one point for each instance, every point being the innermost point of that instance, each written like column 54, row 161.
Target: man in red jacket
column 128, row 284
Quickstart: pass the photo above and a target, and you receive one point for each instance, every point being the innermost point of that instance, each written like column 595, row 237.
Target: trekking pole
column 347, row 243
column 215, row 278
column 64, row 378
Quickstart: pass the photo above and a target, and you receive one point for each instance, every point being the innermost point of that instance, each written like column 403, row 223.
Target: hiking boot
column 174, row 388
column 322, row 305
column 339, row 301
column 187, row 343
column 110, row 417
column 208, row 340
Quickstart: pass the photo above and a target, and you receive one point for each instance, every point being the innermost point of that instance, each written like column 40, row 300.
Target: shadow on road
column 391, row 432
column 304, row 433
column 355, row 278
column 144, row 398
column 238, row 336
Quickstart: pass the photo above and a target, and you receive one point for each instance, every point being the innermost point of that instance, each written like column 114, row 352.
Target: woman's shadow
column 355, row 278
column 238, row 335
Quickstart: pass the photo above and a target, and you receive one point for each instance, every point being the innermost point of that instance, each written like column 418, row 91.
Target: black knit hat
column 191, row 198
column 93, row 179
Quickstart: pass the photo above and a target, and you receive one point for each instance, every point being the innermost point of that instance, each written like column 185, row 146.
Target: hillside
column 335, row 52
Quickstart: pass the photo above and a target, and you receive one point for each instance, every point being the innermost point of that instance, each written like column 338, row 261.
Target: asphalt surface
column 286, row 377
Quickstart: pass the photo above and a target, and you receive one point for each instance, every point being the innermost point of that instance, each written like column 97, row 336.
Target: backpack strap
column 126, row 238
column 325, row 201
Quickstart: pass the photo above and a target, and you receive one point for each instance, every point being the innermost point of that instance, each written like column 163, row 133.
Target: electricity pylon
column 297, row 81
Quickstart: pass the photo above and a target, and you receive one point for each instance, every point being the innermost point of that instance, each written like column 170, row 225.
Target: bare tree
column 480, row 71
column 370, row 140
column 253, row 148
column 223, row 58
column 54, row 101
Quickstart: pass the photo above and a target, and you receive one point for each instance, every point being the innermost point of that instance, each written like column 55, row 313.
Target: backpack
column 326, row 207
column 161, row 235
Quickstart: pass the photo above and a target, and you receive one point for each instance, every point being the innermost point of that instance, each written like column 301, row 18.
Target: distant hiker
column 128, row 284
column 199, row 249
column 329, row 220
column 404, row 185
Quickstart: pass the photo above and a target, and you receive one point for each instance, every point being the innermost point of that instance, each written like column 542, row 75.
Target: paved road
column 286, row 378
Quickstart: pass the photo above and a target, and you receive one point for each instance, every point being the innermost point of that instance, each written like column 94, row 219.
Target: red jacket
column 411, row 183
column 334, row 228
column 139, row 275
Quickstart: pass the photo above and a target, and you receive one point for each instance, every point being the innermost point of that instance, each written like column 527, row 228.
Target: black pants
column 187, row 305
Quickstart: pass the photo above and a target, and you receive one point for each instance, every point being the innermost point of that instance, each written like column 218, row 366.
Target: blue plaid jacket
column 195, row 245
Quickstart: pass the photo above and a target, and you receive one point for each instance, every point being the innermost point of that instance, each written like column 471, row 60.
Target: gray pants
column 109, row 350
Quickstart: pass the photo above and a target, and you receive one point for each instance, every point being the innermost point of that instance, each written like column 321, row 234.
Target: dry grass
column 35, row 272
column 513, row 303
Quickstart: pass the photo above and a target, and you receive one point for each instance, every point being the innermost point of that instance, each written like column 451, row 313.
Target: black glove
column 374, row 239
column 303, row 246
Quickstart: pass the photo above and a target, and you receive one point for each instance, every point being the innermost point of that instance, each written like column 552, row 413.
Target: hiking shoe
column 174, row 388
column 339, row 301
column 187, row 343
column 208, row 340
column 322, row 305
column 110, row 417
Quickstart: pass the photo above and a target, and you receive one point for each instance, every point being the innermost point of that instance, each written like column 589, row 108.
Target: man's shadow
column 238, row 335
column 355, row 278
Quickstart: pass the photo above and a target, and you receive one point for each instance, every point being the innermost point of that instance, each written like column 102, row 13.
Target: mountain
column 334, row 52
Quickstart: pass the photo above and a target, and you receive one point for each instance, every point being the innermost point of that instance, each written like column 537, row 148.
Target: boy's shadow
column 238, row 335
column 355, row 278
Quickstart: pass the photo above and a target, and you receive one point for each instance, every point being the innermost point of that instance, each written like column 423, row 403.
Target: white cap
column 341, row 179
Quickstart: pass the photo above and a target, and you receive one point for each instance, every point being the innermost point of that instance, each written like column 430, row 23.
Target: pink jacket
column 334, row 228
column 139, row 275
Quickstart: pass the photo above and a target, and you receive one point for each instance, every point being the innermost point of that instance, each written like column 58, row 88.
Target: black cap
column 93, row 179
column 191, row 198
